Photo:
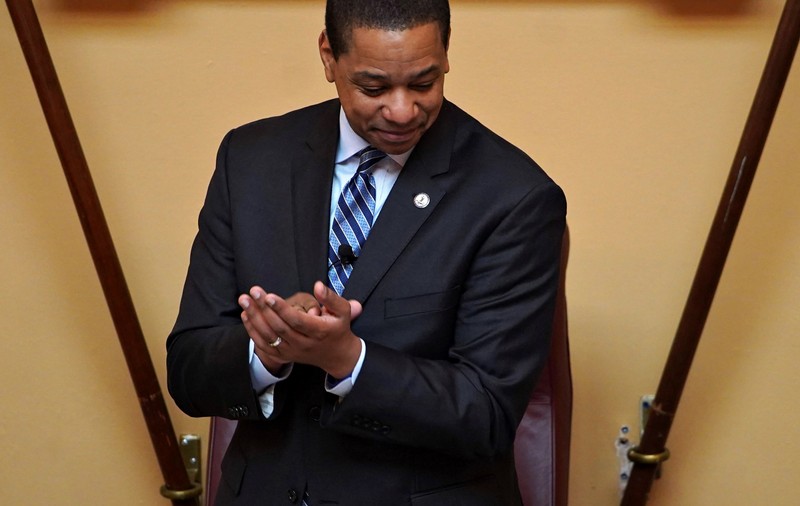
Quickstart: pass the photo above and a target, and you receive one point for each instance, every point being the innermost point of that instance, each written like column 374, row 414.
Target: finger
column 283, row 317
column 304, row 301
column 259, row 295
column 313, row 311
column 255, row 322
column 332, row 302
column 260, row 342
column 252, row 311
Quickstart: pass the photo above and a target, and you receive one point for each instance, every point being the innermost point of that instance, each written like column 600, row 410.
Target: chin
column 394, row 147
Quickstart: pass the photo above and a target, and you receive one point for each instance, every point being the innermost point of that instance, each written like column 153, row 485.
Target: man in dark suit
column 408, row 387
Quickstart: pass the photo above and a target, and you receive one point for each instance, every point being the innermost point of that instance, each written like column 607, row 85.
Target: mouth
column 397, row 136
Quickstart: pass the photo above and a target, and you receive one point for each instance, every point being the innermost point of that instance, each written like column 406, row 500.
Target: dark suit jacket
column 458, row 303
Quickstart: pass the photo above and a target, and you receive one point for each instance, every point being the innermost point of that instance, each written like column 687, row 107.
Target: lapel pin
column 421, row 200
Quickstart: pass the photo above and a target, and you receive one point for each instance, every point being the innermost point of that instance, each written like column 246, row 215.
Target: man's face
column 390, row 83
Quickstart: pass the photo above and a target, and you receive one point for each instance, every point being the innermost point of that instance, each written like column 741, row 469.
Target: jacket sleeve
column 208, row 348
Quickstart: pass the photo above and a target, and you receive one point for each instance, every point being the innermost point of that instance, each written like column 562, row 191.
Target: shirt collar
column 351, row 143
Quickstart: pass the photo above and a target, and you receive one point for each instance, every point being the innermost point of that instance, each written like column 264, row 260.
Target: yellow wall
column 635, row 107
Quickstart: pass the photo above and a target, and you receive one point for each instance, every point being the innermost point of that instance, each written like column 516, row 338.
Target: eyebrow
column 366, row 74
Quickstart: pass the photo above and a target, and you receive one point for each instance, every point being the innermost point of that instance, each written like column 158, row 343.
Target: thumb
column 355, row 308
column 331, row 301
column 334, row 304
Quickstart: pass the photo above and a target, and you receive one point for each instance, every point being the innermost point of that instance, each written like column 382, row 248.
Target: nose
column 400, row 108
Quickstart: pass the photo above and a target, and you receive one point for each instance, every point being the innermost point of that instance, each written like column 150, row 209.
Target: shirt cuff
column 343, row 386
column 264, row 381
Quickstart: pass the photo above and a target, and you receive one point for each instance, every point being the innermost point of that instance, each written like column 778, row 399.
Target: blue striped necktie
column 352, row 219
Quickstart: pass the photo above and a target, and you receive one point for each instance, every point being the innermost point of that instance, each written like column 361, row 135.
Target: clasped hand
column 313, row 329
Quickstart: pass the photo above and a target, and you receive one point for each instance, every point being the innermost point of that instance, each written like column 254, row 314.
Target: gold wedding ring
column 276, row 342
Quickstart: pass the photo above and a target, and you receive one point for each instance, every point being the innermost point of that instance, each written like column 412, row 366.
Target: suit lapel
column 312, row 174
column 401, row 217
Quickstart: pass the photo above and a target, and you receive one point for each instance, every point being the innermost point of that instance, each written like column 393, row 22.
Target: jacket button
column 293, row 496
column 314, row 413
column 239, row 411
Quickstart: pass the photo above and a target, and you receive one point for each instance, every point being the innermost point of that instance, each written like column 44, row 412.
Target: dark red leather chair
column 542, row 446
column 219, row 436
column 543, row 438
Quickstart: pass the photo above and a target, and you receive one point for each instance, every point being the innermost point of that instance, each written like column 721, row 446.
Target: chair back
column 219, row 437
column 541, row 449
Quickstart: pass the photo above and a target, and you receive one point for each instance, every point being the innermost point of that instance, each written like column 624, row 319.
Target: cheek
column 431, row 108
column 431, row 103
column 365, row 109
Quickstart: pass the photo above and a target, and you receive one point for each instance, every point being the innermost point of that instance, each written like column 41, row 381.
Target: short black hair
column 343, row 16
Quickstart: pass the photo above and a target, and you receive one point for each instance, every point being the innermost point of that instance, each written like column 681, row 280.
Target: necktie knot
column 368, row 157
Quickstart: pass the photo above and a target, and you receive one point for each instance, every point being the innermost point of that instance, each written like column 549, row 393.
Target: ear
column 326, row 55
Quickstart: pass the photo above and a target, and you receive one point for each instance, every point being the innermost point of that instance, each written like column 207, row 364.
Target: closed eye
column 422, row 87
column 372, row 91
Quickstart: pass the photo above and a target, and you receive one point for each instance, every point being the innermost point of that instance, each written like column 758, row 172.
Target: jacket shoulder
column 288, row 127
column 479, row 150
